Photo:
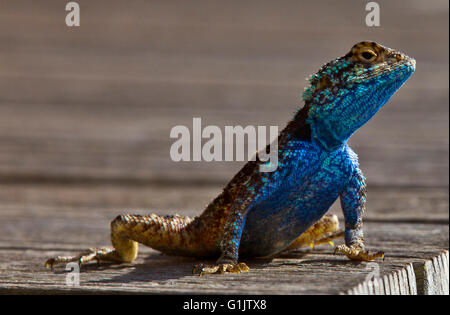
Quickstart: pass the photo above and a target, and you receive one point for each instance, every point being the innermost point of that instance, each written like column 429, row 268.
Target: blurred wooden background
column 86, row 112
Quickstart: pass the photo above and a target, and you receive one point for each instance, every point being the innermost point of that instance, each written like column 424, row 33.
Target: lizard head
column 346, row 92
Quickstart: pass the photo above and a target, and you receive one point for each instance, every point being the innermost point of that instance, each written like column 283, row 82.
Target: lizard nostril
column 400, row 57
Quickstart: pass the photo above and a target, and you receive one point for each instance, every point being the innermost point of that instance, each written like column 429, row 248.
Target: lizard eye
column 368, row 56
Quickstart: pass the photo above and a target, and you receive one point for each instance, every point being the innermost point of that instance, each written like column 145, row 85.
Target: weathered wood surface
column 85, row 117
column 38, row 222
column 100, row 101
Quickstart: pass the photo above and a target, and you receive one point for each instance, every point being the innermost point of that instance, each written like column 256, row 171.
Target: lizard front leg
column 353, row 199
column 229, row 245
column 249, row 187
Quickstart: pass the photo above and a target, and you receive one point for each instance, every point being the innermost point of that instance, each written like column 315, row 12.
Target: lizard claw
column 202, row 269
column 97, row 254
column 358, row 253
column 50, row 263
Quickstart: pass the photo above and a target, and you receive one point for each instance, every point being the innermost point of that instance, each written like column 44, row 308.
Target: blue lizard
column 265, row 213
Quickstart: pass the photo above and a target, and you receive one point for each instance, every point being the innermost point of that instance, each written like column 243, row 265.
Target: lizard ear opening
column 324, row 82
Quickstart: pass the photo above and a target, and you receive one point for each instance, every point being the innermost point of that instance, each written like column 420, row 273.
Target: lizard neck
column 298, row 128
column 313, row 130
column 324, row 135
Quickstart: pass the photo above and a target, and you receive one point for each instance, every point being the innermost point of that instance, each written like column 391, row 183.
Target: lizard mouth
column 412, row 63
column 402, row 69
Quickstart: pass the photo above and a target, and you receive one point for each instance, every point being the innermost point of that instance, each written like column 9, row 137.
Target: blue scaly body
column 306, row 184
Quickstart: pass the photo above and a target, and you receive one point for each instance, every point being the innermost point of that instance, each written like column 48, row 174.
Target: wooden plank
column 85, row 117
column 390, row 204
column 37, row 222
column 429, row 277
column 100, row 101
column 298, row 273
column 433, row 275
column 134, row 144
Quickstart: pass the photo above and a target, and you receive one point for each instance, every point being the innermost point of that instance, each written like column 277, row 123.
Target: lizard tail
column 171, row 234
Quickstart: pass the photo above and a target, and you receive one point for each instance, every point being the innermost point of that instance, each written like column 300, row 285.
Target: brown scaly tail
column 171, row 234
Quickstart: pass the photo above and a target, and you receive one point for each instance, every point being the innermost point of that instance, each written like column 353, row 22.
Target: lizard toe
column 357, row 253
column 202, row 269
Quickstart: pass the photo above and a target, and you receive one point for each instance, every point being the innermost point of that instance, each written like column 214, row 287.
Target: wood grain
column 86, row 113
column 38, row 222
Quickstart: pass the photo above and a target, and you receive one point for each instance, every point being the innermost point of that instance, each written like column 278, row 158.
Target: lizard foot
column 202, row 269
column 358, row 253
column 91, row 254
